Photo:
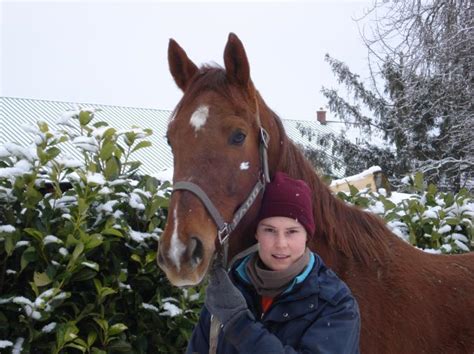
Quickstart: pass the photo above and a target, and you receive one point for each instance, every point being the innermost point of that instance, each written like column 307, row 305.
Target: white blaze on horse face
column 199, row 117
column 177, row 248
column 244, row 165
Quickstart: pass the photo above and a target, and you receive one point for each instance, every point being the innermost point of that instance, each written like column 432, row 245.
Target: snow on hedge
column 433, row 221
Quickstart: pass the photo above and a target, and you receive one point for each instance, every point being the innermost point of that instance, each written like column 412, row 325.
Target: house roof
column 18, row 112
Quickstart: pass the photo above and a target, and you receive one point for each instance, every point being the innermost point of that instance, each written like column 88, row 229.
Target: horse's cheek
column 233, row 186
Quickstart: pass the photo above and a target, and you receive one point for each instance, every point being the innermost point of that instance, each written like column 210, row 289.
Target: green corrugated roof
column 17, row 112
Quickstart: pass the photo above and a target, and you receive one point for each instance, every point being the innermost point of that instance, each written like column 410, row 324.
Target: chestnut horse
column 410, row 301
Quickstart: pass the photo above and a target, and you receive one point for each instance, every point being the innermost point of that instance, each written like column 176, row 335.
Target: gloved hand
column 223, row 299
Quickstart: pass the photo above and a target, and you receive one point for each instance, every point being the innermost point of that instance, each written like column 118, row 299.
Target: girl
column 282, row 298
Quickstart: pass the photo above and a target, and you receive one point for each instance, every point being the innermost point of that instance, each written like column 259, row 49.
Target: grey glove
column 223, row 299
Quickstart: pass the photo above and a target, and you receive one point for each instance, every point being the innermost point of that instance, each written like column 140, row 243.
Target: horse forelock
column 209, row 78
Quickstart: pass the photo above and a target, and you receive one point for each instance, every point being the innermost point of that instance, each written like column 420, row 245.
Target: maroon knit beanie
column 285, row 196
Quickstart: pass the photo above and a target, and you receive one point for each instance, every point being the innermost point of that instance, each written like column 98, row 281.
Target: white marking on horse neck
column 177, row 247
column 199, row 117
column 244, row 165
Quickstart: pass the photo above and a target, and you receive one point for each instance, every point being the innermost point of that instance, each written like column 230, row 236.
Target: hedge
column 434, row 221
column 78, row 241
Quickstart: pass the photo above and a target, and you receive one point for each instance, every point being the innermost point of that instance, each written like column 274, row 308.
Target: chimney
column 321, row 116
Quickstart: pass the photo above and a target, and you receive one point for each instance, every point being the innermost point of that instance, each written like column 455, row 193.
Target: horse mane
column 361, row 236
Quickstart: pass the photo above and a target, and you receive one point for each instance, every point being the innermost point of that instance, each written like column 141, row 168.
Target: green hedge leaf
column 116, row 329
column 41, row 279
column 141, row 145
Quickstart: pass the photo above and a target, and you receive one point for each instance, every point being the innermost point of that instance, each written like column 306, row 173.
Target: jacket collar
column 241, row 271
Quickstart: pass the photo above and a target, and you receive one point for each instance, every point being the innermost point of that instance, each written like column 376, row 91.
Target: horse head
column 215, row 135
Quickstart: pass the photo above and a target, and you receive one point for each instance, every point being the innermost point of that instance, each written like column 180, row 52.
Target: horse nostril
column 195, row 251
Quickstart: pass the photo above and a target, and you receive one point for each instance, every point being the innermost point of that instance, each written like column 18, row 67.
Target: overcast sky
column 112, row 52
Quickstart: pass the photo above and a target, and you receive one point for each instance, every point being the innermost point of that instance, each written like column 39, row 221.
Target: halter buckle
column 224, row 233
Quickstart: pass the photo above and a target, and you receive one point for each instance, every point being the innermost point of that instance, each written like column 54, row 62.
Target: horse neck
column 342, row 232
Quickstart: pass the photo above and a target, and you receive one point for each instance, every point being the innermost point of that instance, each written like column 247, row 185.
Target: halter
column 224, row 229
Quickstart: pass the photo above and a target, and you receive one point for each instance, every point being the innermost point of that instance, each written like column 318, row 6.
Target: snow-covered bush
column 434, row 221
column 78, row 239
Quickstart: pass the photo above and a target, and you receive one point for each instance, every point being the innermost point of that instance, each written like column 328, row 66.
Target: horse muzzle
column 185, row 263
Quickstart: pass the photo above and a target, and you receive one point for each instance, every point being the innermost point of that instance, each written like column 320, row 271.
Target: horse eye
column 237, row 138
column 167, row 140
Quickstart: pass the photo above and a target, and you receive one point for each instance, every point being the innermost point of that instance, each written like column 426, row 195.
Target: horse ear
column 236, row 62
column 181, row 67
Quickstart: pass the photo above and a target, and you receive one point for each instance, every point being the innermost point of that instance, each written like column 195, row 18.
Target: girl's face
column 282, row 241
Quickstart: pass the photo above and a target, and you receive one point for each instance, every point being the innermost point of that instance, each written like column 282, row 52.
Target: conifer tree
column 424, row 110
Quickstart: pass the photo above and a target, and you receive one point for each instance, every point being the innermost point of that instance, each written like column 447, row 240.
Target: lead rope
column 214, row 330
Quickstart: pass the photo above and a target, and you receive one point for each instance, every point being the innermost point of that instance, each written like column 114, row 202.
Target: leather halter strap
column 224, row 229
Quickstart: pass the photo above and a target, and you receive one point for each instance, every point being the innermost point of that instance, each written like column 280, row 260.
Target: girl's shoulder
column 332, row 288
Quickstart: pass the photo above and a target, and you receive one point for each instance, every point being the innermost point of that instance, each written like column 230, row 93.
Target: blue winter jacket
column 316, row 314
